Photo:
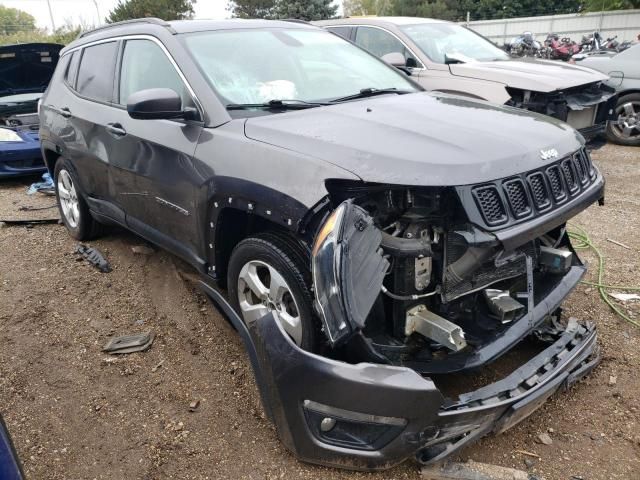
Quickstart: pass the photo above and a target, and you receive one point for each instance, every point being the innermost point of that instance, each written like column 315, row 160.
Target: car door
column 380, row 42
column 83, row 108
column 153, row 174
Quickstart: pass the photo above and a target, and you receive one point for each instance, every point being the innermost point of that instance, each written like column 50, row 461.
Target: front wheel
column 626, row 129
column 269, row 273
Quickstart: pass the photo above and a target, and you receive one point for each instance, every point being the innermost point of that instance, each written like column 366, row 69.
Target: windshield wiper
column 370, row 92
column 276, row 105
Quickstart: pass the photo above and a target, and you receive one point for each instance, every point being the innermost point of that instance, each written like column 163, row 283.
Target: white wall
column 623, row 23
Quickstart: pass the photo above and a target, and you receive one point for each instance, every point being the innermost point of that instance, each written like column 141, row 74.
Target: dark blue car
column 9, row 465
column 25, row 72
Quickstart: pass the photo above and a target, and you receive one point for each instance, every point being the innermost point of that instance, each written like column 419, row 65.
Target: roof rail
column 150, row 20
column 294, row 20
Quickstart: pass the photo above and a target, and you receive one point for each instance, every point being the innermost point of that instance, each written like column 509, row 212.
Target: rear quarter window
column 72, row 69
column 95, row 75
column 344, row 32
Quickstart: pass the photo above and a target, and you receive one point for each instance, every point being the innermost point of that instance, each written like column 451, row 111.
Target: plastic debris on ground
column 46, row 186
column 94, row 257
column 138, row 342
column 625, row 297
column 474, row 471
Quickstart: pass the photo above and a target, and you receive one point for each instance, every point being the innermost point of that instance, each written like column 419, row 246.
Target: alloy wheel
column 261, row 290
column 68, row 199
column 628, row 123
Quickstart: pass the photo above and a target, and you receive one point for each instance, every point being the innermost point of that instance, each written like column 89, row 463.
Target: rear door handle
column 64, row 111
column 116, row 129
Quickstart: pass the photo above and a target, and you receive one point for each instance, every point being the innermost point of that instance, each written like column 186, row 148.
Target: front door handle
column 116, row 130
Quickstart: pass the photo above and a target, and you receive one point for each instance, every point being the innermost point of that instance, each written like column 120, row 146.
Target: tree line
column 17, row 26
column 457, row 10
column 442, row 9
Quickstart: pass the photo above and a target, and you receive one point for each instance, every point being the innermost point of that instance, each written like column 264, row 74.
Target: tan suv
column 451, row 58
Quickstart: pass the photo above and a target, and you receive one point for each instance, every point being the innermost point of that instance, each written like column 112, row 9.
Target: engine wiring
column 581, row 241
column 408, row 297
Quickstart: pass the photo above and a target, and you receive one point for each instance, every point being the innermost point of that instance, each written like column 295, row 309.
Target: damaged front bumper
column 371, row 416
column 587, row 108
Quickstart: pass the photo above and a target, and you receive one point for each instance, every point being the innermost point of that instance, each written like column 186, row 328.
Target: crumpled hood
column 419, row 139
column 529, row 74
column 27, row 67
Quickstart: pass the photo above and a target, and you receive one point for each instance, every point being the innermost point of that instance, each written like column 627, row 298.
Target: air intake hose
column 468, row 263
column 406, row 247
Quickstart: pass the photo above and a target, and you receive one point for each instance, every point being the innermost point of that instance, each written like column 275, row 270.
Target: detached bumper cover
column 431, row 429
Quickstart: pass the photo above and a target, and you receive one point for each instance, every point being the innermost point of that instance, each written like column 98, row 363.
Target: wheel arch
column 232, row 218
column 50, row 158
column 631, row 91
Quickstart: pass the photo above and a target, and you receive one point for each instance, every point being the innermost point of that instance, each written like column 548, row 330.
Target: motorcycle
column 524, row 45
column 610, row 44
column 592, row 43
column 624, row 45
column 560, row 48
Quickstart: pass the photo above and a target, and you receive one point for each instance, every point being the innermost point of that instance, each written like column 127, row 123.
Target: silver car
column 448, row 57
column 624, row 69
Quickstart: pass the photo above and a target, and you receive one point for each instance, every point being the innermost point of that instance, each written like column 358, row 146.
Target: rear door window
column 95, row 76
column 144, row 66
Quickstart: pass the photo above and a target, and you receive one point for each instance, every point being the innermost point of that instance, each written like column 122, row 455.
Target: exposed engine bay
column 581, row 107
column 421, row 285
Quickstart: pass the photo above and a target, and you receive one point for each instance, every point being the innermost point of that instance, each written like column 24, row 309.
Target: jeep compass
column 368, row 240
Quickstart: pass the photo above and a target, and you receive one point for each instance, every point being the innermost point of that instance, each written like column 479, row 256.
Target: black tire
column 292, row 261
column 616, row 136
column 85, row 227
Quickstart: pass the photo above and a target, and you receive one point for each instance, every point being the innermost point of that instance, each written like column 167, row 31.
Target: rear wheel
column 270, row 273
column 73, row 208
column 626, row 129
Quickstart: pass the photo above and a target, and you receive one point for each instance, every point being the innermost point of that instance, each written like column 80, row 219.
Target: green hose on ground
column 581, row 241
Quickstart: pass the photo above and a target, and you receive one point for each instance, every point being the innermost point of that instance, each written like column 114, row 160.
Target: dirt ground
column 77, row 413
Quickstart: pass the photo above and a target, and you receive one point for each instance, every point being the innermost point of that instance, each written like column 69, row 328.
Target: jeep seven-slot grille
column 520, row 197
column 517, row 198
column 490, row 204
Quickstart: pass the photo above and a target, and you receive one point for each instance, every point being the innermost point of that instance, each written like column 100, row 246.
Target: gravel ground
column 76, row 413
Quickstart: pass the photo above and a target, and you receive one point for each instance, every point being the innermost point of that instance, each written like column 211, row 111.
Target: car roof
column 188, row 26
column 150, row 25
column 373, row 20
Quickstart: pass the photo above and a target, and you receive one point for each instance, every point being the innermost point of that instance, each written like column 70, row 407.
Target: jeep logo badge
column 548, row 154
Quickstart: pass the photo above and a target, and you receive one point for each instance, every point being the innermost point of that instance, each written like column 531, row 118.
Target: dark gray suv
column 367, row 240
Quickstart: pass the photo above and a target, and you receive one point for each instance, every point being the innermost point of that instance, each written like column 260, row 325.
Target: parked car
column 447, row 57
column 10, row 468
column 25, row 72
column 366, row 239
column 624, row 70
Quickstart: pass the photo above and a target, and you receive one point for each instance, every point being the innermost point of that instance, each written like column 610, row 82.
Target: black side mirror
column 157, row 104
